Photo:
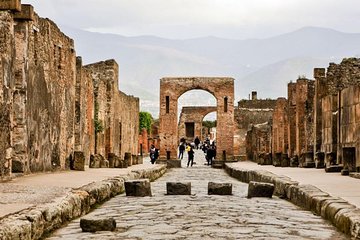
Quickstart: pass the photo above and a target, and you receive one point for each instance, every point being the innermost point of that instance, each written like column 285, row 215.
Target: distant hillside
column 265, row 65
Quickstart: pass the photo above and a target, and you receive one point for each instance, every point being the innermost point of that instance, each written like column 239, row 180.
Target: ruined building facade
column 318, row 124
column 48, row 100
column 248, row 114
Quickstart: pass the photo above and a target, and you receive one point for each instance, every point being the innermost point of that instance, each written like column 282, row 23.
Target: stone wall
column 116, row 115
column 7, row 75
column 258, row 143
column 247, row 114
column 336, row 105
column 47, row 99
column 280, row 128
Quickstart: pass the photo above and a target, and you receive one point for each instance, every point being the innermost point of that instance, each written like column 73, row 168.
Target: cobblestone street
column 201, row 216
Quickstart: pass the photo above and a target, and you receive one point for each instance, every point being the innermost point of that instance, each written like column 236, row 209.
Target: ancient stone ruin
column 172, row 88
column 317, row 125
column 50, row 104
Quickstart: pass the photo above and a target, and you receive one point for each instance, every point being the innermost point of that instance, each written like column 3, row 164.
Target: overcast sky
column 237, row 19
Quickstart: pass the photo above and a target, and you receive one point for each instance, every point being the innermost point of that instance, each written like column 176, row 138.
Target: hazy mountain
column 265, row 65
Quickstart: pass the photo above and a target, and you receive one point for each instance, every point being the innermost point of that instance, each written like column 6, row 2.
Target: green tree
column 145, row 121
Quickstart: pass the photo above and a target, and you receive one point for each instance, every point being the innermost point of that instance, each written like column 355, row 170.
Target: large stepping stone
column 94, row 225
column 138, row 188
column 219, row 188
column 260, row 189
column 178, row 188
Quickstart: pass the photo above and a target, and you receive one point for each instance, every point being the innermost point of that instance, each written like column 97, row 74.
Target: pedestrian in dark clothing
column 152, row 154
column 190, row 156
column 197, row 142
column 210, row 154
column 181, row 150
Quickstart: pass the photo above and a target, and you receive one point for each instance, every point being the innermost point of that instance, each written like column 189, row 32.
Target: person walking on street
column 197, row 142
column 152, row 154
column 181, row 150
column 190, row 156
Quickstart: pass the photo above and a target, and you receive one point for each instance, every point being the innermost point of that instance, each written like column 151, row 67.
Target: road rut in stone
column 201, row 216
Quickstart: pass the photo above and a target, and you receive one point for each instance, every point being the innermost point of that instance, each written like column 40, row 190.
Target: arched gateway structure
column 172, row 88
column 192, row 117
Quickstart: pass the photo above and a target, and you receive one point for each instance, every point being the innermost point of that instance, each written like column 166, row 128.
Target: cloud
column 194, row 18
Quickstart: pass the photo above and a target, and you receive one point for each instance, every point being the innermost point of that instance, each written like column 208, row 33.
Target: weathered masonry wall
column 279, row 129
column 193, row 115
column 116, row 115
column 318, row 125
column 258, row 143
column 337, row 113
column 47, row 101
column 248, row 113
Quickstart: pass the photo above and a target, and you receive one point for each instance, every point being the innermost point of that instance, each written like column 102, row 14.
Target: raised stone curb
column 340, row 213
column 34, row 223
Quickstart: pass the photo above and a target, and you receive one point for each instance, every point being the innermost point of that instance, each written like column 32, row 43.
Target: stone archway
column 222, row 88
column 193, row 114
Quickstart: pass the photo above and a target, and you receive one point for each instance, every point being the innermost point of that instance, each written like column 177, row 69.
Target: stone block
column 219, row 188
column 354, row 175
column 319, row 160
column 345, row 172
column 334, row 168
column 26, row 13
column 113, row 160
column 78, row 162
column 173, row 163
column 178, row 188
column 134, row 159
column 138, row 188
column 14, row 5
column 294, row 162
column 217, row 164
column 94, row 225
column 17, row 166
column 98, row 161
column 127, row 159
column 260, row 189
column 285, row 161
column 140, row 159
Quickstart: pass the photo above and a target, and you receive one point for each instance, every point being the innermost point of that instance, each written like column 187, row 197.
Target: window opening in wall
column 225, row 104
column 190, row 129
column 167, row 104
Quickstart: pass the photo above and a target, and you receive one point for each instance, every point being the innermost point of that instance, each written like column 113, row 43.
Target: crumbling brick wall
column 280, row 125
column 336, row 98
column 116, row 114
column 258, row 142
column 47, row 101
column 248, row 113
column 7, row 56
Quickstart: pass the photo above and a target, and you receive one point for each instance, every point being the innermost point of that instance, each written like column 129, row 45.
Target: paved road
column 200, row 216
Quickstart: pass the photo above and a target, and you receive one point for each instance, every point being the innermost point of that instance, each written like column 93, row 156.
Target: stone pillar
column 7, row 46
column 319, row 75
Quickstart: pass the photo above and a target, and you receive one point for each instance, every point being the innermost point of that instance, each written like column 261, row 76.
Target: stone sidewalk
column 335, row 184
column 33, row 205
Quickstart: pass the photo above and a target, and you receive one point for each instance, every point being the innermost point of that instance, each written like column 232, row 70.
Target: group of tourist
column 208, row 148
